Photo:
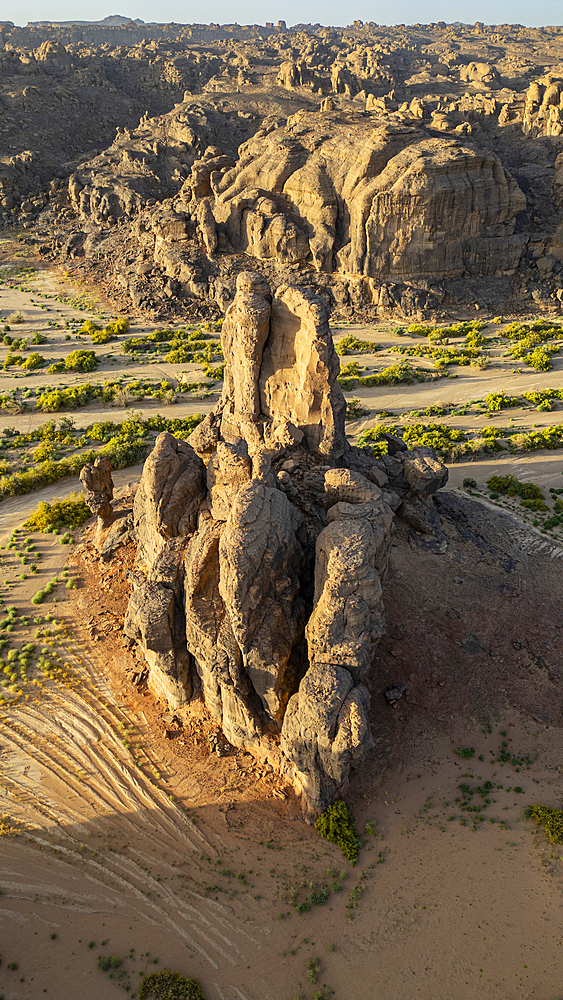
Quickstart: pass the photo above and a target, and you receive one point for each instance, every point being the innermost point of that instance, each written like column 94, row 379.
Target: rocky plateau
column 399, row 171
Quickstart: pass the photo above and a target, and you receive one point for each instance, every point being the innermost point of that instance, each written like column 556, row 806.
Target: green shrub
column 469, row 483
column 530, row 493
column 59, row 514
column 444, row 356
column 550, row 819
column 106, row 962
column 336, row 825
column 496, row 401
column 216, row 372
column 12, row 359
column 89, row 328
column 440, row 437
column 81, row 361
column 168, row 985
column 34, row 361
column 351, row 369
column 534, row 504
column 109, row 332
column 542, row 395
column 102, row 337
column 401, row 374
column 44, row 452
column 538, row 359
column 52, row 400
column 420, row 331
column 118, row 326
column 354, row 408
column 351, row 345
column 126, row 444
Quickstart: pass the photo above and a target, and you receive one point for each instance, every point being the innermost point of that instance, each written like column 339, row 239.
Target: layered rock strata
column 258, row 575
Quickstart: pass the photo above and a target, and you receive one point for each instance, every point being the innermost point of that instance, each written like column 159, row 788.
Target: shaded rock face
column 165, row 514
column 258, row 591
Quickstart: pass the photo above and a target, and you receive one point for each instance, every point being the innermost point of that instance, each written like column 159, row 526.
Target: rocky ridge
column 262, row 546
column 340, row 154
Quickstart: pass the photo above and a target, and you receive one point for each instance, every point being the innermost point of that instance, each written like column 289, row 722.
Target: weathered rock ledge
column 262, row 544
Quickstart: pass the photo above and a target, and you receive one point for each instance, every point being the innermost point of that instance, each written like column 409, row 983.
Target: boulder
column 151, row 620
column 261, row 560
column 172, row 488
column 424, row 472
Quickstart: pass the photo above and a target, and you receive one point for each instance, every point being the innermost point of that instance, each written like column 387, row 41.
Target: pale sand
column 449, row 913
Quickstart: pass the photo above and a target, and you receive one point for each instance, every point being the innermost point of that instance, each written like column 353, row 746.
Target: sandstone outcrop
column 280, row 380
column 392, row 161
column 97, row 481
column 379, row 199
column 259, row 590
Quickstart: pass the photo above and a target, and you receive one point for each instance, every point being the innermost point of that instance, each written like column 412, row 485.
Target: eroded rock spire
column 260, row 590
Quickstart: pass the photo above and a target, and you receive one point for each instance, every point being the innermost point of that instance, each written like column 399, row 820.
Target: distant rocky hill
column 407, row 170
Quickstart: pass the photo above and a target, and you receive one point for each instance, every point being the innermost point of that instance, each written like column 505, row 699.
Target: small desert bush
column 354, row 408
column 496, row 401
column 81, row 361
column 109, row 332
column 107, row 962
column 168, row 985
column 401, row 374
column 531, row 496
column 335, row 824
column 34, row 361
column 71, row 512
column 89, row 328
column 101, row 337
column 550, row 819
column 351, row 345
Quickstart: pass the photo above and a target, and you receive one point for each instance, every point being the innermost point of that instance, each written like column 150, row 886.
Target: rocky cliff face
column 364, row 196
column 262, row 545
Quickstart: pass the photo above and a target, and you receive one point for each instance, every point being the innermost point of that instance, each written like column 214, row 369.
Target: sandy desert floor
column 125, row 836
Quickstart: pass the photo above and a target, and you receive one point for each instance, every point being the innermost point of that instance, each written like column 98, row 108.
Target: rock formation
column 258, row 576
column 401, row 170
column 362, row 195
column 98, row 484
